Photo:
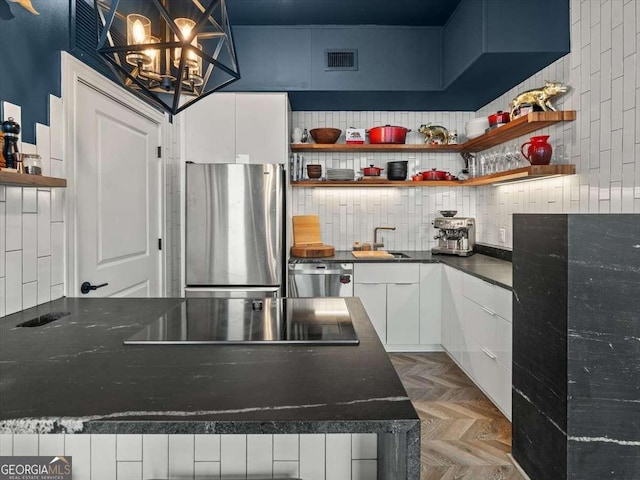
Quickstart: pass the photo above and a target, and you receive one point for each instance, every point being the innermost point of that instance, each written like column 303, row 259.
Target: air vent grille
column 343, row 59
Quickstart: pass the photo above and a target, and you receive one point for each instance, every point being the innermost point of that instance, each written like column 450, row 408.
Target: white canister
column 296, row 137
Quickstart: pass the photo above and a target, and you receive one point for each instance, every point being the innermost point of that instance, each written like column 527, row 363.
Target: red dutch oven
column 434, row 174
column 499, row 118
column 388, row 134
column 371, row 171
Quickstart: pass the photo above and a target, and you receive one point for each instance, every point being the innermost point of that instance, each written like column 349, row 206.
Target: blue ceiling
column 341, row 12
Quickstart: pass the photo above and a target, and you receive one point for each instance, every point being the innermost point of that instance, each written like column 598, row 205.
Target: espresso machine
column 456, row 236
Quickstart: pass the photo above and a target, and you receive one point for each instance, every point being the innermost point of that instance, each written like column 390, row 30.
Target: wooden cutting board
column 306, row 230
column 377, row 254
column 313, row 251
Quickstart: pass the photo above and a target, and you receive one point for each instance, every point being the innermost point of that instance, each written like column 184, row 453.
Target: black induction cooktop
column 224, row 321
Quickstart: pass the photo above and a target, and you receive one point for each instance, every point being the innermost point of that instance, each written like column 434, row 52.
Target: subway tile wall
column 350, row 215
column 138, row 457
column 32, row 244
column 603, row 72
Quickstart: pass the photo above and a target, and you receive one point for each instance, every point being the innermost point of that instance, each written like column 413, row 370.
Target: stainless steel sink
column 399, row 255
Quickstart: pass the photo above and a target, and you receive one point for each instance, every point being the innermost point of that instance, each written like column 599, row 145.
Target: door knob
column 86, row 287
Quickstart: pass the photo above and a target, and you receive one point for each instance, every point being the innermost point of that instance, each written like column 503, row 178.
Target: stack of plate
column 344, row 174
column 397, row 170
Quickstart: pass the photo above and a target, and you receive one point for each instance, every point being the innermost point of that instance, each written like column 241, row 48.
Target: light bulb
column 138, row 32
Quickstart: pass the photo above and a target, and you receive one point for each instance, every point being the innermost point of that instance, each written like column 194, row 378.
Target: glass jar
column 32, row 163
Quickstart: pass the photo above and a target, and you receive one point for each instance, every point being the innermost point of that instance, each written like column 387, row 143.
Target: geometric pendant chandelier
column 173, row 52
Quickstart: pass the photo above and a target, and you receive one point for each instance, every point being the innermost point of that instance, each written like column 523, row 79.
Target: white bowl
column 476, row 127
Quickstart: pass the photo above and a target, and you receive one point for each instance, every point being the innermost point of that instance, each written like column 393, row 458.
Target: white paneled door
column 118, row 201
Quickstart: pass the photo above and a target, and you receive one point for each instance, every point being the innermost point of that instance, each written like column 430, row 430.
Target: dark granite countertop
column 76, row 375
column 487, row 268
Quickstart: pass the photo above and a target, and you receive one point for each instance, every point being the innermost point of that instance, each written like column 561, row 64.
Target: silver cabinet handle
column 487, row 310
column 488, row 353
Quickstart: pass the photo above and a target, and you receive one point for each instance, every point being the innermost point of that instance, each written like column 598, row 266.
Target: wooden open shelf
column 512, row 130
column 373, row 147
column 24, row 180
column 519, row 174
column 518, row 127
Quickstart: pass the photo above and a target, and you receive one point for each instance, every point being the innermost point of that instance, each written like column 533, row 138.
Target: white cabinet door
column 261, row 128
column 209, row 127
column 403, row 314
column 431, row 303
column 374, row 299
column 453, row 282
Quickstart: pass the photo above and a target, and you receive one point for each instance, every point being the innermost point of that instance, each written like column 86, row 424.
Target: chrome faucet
column 376, row 244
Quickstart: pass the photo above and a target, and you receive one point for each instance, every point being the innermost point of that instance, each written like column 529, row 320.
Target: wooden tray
column 377, row 254
column 313, row 251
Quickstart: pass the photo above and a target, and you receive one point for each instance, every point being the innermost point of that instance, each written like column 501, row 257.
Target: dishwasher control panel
column 321, row 280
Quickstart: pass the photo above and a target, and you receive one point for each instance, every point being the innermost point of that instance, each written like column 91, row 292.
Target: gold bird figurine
column 26, row 4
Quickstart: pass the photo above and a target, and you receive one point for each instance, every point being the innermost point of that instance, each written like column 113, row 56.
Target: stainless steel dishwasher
column 321, row 280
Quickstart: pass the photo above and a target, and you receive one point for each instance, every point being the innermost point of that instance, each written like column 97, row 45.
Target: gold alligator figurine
column 539, row 96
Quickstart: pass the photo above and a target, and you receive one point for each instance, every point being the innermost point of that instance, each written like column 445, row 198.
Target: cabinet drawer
column 386, row 273
column 479, row 323
column 479, row 291
column 504, row 342
column 489, row 374
column 503, row 303
column 496, row 299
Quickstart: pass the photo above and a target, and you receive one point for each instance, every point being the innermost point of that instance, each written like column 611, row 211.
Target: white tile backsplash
column 51, row 445
column 29, row 247
column 129, row 448
column 13, row 282
column 56, row 125
column 13, row 218
column 207, row 448
column 155, row 456
column 43, row 142
column 25, row 444
column 31, row 250
column 181, row 456
column 29, row 295
column 103, row 453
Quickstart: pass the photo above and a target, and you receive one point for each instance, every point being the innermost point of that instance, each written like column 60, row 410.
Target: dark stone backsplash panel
column 576, row 344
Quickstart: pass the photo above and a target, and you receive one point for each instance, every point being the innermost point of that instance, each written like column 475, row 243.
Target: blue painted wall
column 462, row 39
column 30, row 47
column 400, row 68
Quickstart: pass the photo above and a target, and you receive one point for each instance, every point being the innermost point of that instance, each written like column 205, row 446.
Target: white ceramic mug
column 297, row 135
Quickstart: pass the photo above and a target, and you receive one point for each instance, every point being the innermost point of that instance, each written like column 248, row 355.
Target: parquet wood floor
column 463, row 435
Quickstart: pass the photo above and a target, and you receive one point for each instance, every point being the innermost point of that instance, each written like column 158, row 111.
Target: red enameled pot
column 371, row 171
column 434, row 175
column 499, row 118
column 388, row 134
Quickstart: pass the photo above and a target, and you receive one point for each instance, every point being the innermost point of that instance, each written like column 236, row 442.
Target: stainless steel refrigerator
column 234, row 230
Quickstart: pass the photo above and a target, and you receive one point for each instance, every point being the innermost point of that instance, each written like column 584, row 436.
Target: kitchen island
column 75, row 375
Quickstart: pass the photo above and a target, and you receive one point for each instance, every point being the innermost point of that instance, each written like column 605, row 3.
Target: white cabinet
column 242, row 127
column 452, row 338
column 374, row 299
column 403, row 301
column 390, row 293
column 477, row 326
column 403, row 313
column 430, row 303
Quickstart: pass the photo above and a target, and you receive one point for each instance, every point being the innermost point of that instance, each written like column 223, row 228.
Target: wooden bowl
column 325, row 135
